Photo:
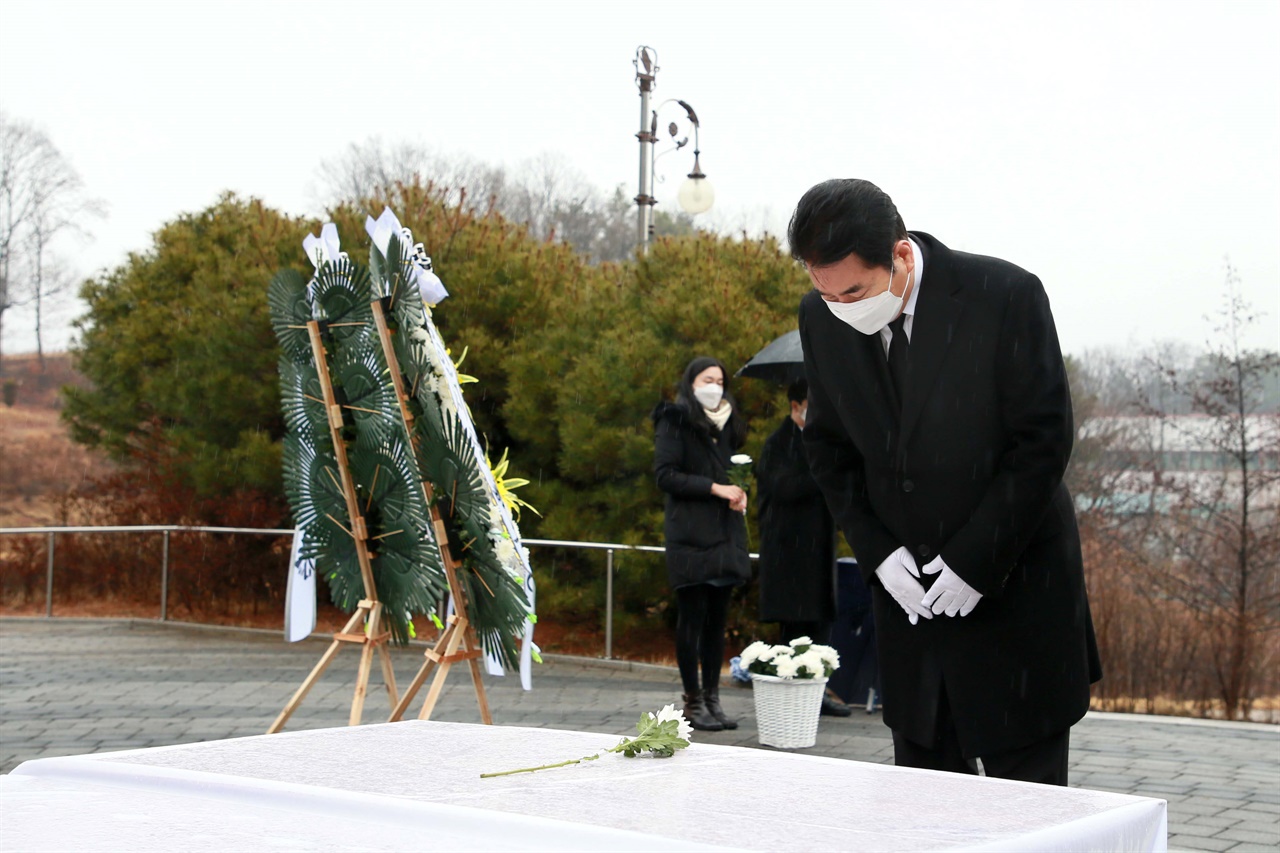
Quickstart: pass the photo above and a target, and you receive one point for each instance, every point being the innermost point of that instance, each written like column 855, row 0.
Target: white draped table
column 416, row 785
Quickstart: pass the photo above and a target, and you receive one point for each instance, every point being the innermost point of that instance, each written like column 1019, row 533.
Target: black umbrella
column 781, row 361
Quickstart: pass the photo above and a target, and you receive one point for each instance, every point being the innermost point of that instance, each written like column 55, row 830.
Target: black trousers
column 701, row 613
column 1044, row 761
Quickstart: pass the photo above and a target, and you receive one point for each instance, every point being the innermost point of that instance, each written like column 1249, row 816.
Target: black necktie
column 899, row 357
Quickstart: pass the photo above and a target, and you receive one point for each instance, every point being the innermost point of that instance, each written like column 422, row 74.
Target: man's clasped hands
column 949, row 593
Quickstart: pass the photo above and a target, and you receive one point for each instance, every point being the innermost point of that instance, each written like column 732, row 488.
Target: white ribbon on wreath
column 380, row 232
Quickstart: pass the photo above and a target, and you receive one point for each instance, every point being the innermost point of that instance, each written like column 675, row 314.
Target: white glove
column 949, row 592
column 899, row 575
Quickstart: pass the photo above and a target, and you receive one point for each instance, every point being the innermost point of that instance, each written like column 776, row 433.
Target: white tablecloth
column 416, row 785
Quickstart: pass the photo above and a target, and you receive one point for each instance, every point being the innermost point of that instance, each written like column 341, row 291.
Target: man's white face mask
column 709, row 395
column 872, row 314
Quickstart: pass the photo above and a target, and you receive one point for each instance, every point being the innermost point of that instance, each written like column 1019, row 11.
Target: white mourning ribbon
column 300, row 594
column 380, row 232
column 326, row 247
column 319, row 250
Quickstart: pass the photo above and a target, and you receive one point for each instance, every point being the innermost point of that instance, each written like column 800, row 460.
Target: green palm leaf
column 402, row 285
column 499, row 606
column 290, row 313
column 447, row 460
column 311, row 483
column 302, row 399
column 367, row 391
column 339, row 565
column 407, row 567
column 341, row 295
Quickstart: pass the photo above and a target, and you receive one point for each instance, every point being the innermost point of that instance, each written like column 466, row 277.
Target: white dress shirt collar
column 886, row 334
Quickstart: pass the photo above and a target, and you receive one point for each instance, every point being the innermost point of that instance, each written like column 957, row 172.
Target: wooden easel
column 369, row 610
column 458, row 641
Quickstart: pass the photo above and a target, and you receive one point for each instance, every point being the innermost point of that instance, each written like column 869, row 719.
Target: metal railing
column 610, row 548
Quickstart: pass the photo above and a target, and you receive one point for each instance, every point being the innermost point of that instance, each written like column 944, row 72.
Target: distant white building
column 1148, row 463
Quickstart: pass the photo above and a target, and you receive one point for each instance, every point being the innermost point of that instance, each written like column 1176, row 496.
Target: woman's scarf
column 719, row 416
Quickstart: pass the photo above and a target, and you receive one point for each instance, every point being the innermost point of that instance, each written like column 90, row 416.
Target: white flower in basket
column 788, row 684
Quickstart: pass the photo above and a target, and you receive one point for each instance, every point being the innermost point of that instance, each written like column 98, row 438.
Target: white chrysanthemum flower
column 786, row 666
column 669, row 712
column 506, row 552
column 755, row 652
column 740, row 459
column 829, row 656
column 811, row 663
column 781, row 651
column 802, row 641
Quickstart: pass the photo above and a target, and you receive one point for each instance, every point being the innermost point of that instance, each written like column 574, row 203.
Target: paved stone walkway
column 77, row 686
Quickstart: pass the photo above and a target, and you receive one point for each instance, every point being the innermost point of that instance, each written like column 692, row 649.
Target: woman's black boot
column 695, row 711
column 712, row 695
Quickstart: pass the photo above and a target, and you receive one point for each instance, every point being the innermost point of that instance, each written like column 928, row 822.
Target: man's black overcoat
column 970, row 465
column 797, row 536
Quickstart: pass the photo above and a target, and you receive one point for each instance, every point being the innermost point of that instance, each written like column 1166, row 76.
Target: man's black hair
column 798, row 391
column 842, row 217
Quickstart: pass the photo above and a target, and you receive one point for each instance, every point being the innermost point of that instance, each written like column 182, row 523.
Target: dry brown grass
column 1262, row 710
column 39, row 463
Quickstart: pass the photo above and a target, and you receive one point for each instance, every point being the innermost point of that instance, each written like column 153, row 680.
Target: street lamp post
column 696, row 195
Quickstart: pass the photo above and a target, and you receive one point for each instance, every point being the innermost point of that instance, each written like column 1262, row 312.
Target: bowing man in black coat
column 706, row 535
column 939, row 428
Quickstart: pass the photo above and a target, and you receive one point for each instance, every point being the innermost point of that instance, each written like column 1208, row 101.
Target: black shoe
column 712, row 695
column 832, row 707
column 695, row 711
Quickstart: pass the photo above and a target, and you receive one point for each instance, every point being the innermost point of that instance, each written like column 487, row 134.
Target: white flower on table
column 802, row 641
column 669, row 712
column 662, row 735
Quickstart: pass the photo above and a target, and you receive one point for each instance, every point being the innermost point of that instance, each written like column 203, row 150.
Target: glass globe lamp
column 696, row 194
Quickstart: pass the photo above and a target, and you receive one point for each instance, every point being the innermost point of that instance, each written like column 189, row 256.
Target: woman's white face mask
column 872, row 314
column 709, row 395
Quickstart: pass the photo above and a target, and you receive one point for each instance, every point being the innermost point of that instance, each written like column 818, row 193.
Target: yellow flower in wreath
column 508, row 485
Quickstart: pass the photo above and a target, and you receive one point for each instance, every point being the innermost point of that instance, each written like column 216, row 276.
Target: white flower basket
column 787, row 709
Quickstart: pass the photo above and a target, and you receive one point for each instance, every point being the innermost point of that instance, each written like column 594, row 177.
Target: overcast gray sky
column 1119, row 150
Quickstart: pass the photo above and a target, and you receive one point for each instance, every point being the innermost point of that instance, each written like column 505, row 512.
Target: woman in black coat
column 706, row 534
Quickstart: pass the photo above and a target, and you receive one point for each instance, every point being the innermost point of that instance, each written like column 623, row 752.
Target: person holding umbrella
column 706, row 534
column 797, row 538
